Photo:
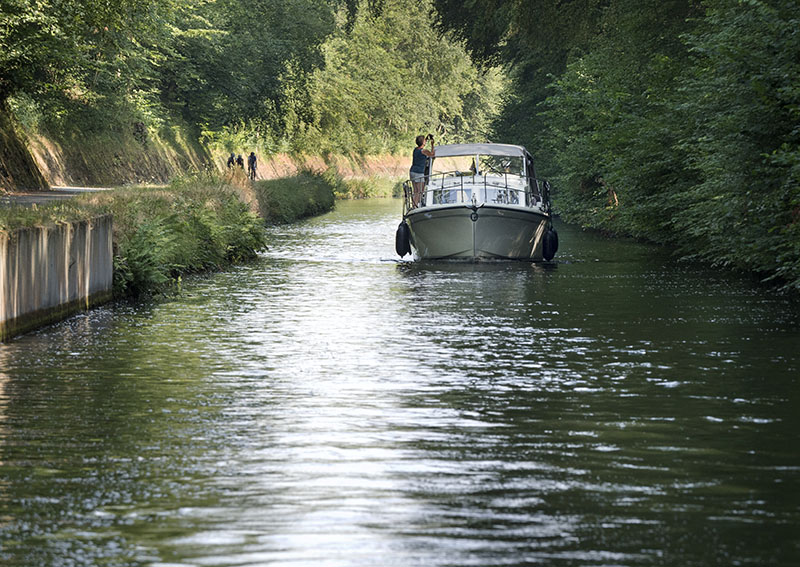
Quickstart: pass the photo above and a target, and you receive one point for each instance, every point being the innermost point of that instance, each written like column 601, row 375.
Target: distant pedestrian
column 231, row 161
column 251, row 165
column 240, row 161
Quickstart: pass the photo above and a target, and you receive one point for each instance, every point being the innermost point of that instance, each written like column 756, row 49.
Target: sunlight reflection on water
column 329, row 405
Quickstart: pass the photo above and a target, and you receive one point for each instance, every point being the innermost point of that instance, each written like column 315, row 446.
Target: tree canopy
column 672, row 120
column 392, row 77
column 338, row 75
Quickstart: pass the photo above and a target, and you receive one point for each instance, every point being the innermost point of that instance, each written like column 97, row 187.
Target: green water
column 329, row 406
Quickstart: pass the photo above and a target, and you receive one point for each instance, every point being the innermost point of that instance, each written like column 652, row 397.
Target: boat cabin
column 481, row 173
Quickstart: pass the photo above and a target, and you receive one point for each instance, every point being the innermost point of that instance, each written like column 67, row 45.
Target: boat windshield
column 479, row 165
column 500, row 164
column 464, row 165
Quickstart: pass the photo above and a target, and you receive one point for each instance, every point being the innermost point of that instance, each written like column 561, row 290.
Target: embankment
column 18, row 168
column 131, row 154
column 347, row 166
column 56, row 260
column 50, row 272
column 34, row 159
column 112, row 159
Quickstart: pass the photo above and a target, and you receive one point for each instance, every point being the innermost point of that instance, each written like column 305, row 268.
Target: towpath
column 43, row 197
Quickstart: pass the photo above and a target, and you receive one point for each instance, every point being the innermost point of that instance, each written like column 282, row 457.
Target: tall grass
column 303, row 195
column 198, row 222
column 369, row 187
column 13, row 216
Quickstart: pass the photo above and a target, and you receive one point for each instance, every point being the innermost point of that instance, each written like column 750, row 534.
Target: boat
column 478, row 201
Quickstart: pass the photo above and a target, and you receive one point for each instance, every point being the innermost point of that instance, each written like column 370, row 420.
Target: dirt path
column 44, row 197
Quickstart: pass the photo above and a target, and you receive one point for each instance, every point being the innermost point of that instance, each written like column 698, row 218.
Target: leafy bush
column 687, row 136
column 742, row 95
column 197, row 223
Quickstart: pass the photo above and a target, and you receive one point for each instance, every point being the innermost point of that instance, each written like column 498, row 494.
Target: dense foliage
column 196, row 223
column 391, row 77
column 340, row 76
column 741, row 97
column 532, row 40
column 303, row 195
column 69, row 57
column 672, row 120
column 615, row 123
column 232, row 62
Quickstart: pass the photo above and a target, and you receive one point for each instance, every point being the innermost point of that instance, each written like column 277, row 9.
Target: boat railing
column 455, row 187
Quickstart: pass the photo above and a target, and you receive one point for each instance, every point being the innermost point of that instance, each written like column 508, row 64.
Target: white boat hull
column 466, row 232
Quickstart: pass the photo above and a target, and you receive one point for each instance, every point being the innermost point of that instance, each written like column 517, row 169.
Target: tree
column 391, row 77
column 533, row 40
column 73, row 56
column 231, row 60
column 615, row 125
column 742, row 96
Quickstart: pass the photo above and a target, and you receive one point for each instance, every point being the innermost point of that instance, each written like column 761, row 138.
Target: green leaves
column 320, row 75
column 195, row 224
column 742, row 95
column 672, row 120
column 228, row 60
column 303, row 195
column 212, row 64
column 391, row 77
column 31, row 46
column 682, row 127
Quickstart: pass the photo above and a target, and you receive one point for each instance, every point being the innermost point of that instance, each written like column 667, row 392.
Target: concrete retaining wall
column 49, row 273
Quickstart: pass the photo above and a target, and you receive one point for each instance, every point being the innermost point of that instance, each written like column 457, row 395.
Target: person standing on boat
column 417, row 171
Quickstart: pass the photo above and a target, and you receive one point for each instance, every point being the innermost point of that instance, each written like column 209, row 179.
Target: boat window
column 478, row 165
column 464, row 165
column 501, row 164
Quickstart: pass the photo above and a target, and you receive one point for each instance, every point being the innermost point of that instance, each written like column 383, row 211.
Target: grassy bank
column 93, row 147
column 303, row 195
column 125, row 155
column 366, row 188
column 196, row 223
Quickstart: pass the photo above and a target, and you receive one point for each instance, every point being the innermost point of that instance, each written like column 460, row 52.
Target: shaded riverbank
column 33, row 161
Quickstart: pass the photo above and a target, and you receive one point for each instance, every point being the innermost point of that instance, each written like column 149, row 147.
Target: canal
column 328, row 405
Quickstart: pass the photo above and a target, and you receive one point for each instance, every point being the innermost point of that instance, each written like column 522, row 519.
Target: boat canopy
column 482, row 149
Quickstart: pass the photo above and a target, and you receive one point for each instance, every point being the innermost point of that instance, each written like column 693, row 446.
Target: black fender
column 549, row 244
column 402, row 239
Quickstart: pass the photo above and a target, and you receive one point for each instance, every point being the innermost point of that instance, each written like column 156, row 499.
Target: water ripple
column 329, row 405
